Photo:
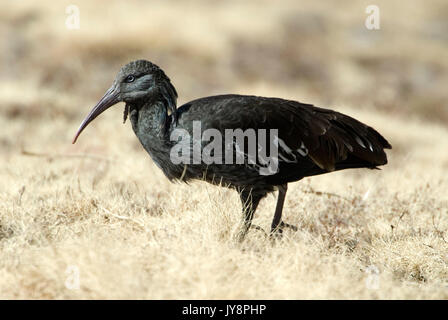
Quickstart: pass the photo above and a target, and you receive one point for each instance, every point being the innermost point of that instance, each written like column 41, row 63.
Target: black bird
column 309, row 140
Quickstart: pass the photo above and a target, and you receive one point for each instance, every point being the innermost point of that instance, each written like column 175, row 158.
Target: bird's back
column 310, row 140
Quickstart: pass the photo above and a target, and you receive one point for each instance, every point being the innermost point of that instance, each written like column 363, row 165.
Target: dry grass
column 105, row 208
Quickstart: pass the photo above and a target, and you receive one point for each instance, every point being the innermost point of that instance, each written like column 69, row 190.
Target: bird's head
column 136, row 82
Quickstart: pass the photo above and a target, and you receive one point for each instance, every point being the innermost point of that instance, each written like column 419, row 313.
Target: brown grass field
column 102, row 213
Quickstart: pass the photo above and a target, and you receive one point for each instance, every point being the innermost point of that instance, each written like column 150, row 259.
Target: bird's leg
column 277, row 223
column 250, row 203
column 276, row 226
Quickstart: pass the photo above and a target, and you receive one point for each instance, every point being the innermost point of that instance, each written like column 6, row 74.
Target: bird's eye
column 130, row 78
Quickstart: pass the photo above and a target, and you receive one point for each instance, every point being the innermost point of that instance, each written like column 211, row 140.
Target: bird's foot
column 254, row 226
column 287, row 225
column 243, row 233
column 277, row 233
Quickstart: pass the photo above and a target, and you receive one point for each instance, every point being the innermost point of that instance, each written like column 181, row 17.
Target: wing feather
column 333, row 140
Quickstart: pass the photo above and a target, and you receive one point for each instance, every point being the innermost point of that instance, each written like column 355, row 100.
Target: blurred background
column 103, row 206
column 318, row 52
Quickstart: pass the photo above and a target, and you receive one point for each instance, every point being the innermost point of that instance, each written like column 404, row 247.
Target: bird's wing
column 329, row 137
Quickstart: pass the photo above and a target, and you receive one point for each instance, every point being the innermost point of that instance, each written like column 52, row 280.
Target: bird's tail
column 349, row 143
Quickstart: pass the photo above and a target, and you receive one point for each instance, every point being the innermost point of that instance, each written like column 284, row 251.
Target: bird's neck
column 152, row 124
column 150, row 121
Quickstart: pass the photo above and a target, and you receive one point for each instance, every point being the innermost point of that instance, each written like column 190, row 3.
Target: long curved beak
column 108, row 100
